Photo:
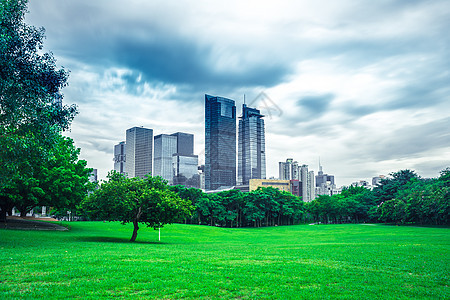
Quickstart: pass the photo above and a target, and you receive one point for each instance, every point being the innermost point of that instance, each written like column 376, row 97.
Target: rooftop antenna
column 320, row 167
column 244, row 98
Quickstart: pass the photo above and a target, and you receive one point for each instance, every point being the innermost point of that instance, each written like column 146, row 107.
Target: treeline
column 262, row 207
column 402, row 198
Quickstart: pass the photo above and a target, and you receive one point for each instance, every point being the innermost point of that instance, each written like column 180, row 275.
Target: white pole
column 159, row 233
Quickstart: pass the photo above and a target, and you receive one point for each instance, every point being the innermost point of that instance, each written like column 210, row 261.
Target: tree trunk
column 136, row 224
column 135, row 230
column 3, row 215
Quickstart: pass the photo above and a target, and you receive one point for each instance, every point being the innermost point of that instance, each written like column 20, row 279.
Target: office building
column 139, row 151
column 304, row 179
column 289, row 170
column 165, row 147
column 312, row 186
column 185, row 170
column 251, row 146
column 120, row 157
column 220, row 142
column 185, row 143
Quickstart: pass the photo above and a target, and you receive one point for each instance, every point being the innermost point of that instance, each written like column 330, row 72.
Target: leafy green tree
column 61, row 181
column 388, row 188
column 31, row 111
column 136, row 200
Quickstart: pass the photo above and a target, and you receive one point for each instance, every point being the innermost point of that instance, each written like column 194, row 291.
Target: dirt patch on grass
column 30, row 223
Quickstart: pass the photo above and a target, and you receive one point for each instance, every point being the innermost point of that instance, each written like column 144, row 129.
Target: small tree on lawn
column 136, row 200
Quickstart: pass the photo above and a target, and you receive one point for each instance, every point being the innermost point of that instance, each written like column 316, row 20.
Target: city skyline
column 362, row 85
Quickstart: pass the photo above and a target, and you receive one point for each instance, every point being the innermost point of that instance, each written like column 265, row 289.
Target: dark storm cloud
column 153, row 49
column 179, row 61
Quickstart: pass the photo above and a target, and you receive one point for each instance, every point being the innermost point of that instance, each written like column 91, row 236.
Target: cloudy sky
column 364, row 85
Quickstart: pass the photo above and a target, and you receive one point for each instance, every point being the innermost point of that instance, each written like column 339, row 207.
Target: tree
column 31, row 112
column 61, row 181
column 136, row 200
column 388, row 188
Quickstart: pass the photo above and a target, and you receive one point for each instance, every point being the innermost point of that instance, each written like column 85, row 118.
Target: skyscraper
column 251, row 146
column 289, row 170
column 285, row 169
column 139, row 150
column 185, row 170
column 120, row 157
column 184, row 162
column 304, row 178
column 165, row 147
column 185, row 143
column 312, row 186
column 220, row 142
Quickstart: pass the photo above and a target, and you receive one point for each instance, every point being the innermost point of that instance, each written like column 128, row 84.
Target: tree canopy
column 136, row 200
column 32, row 115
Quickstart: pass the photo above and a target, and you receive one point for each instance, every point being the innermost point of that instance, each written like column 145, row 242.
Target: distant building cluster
column 169, row 156
column 235, row 156
column 302, row 179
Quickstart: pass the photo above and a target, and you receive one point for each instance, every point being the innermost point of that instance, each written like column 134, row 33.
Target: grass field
column 95, row 260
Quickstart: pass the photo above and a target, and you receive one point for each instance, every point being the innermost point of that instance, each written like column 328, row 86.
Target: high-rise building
column 251, row 146
column 165, row 147
column 289, row 170
column 312, row 185
column 220, row 142
column 285, row 169
column 139, row 148
column 304, row 178
column 185, row 143
column 185, row 170
column 120, row 157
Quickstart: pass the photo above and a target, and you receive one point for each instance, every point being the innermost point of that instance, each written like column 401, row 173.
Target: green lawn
column 95, row 260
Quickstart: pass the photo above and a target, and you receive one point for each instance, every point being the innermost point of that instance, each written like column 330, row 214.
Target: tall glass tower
column 139, row 151
column 165, row 146
column 220, row 142
column 251, row 146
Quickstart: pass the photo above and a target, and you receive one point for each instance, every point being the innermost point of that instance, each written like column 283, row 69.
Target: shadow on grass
column 107, row 239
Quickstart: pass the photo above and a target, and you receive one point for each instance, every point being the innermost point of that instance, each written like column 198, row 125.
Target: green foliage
column 61, row 181
column 32, row 115
column 233, row 208
column 136, row 200
column 402, row 198
column 94, row 260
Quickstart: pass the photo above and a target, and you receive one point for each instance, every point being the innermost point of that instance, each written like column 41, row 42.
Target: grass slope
column 95, row 260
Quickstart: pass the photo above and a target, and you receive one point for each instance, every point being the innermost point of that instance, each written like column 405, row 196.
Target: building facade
column 139, row 151
column 165, row 147
column 220, row 142
column 120, row 157
column 185, row 143
column 312, row 185
column 251, row 146
column 282, row 185
column 185, row 170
